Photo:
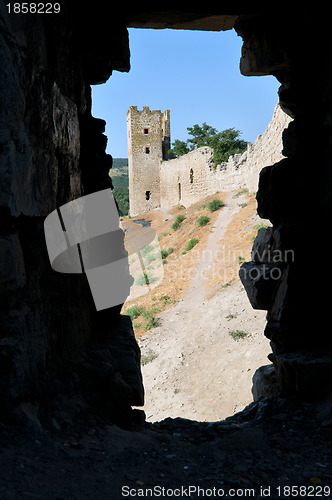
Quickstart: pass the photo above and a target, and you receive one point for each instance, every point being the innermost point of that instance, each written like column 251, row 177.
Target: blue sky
column 196, row 75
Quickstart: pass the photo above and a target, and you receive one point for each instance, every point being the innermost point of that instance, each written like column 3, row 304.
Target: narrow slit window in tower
column 147, row 150
column 191, row 176
column 147, row 195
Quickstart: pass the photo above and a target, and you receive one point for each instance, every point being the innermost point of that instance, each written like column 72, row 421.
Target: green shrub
column 135, row 311
column 151, row 323
column 166, row 252
column 165, row 299
column 203, row 220
column 180, row 218
column 151, row 320
column 240, row 259
column 237, row 334
column 241, row 192
column 231, row 316
column 262, row 225
column 148, row 357
column 191, row 243
column 215, row 205
column 148, row 313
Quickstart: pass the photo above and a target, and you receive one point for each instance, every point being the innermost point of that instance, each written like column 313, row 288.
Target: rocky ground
column 270, row 450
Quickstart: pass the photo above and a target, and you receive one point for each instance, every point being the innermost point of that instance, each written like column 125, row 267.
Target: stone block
column 304, row 375
column 264, row 383
column 262, row 247
column 260, row 282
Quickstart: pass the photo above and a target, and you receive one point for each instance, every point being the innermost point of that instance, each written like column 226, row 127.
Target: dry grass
column 179, row 267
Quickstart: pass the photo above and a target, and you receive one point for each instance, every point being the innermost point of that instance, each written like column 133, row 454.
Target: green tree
column 120, row 163
column 121, row 194
column 224, row 144
column 201, row 135
column 179, row 148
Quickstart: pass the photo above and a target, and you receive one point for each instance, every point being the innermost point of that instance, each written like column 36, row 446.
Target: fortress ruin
column 59, row 357
column 156, row 182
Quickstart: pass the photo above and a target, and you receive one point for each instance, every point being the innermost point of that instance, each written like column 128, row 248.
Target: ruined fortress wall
column 230, row 175
column 243, row 170
column 189, row 178
column 267, row 149
column 185, row 179
column 154, row 182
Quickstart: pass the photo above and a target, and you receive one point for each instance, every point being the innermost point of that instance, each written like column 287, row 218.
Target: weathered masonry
column 156, row 182
column 148, row 144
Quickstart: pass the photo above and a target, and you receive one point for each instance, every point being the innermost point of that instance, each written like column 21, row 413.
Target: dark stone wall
column 295, row 195
column 53, row 151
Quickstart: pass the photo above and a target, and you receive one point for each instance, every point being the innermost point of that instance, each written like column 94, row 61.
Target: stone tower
column 148, row 144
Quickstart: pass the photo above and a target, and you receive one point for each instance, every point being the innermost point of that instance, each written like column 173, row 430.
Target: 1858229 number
column 304, row 491
column 33, row 8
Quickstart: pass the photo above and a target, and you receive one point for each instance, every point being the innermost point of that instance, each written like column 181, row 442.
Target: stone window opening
column 147, row 150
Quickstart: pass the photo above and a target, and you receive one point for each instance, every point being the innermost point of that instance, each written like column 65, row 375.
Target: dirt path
column 193, row 366
column 196, row 289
